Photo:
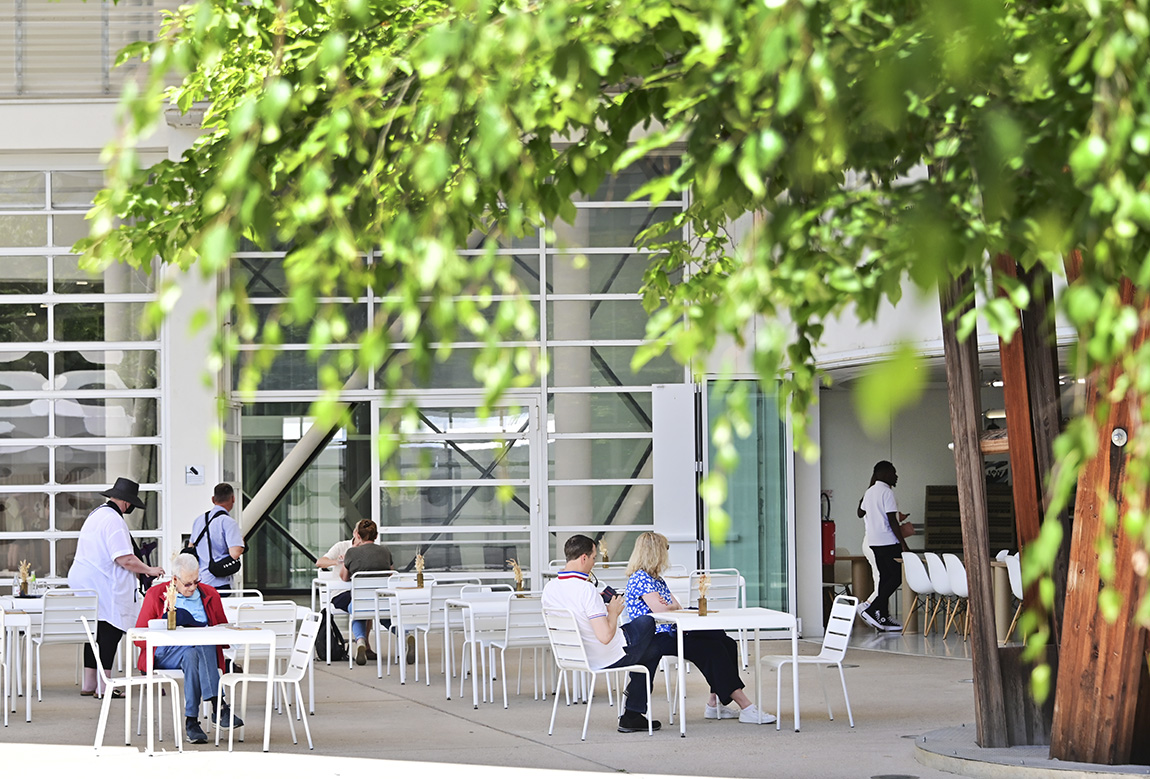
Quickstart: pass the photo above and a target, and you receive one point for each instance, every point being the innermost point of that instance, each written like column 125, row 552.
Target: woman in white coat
column 107, row 563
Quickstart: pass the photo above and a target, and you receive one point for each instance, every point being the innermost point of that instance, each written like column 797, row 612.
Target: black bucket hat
column 125, row 489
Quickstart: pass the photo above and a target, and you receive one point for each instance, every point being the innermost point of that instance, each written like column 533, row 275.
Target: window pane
column 297, row 370
column 95, row 464
column 119, row 278
column 464, row 419
column 23, row 464
column 111, row 369
column 595, row 412
column 600, row 458
column 76, row 188
column 72, row 508
column 19, row 230
column 35, row 552
column 459, row 552
column 261, row 276
column 452, row 505
column 455, row 372
column 105, row 417
column 23, row 322
column 68, row 228
column 459, row 460
column 575, row 274
column 611, row 227
column 620, row 186
column 298, row 332
column 23, row 371
column 596, row 320
column 22, row 418
column 23, row 275
column 602, row 504
column 608, row 366
column 23, row 511
column 21, row 189
column 100, row 322
column 618, row 544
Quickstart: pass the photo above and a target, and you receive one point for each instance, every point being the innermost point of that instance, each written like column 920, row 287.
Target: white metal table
column 755, row 619
column 216, row 635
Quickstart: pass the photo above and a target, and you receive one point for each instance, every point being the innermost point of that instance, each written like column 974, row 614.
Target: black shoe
column 195, row 734
column 227, row 720
column 371, row 655
column 410, row 649
column 633, row 722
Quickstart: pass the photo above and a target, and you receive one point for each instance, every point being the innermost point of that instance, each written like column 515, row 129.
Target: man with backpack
column 218, row 541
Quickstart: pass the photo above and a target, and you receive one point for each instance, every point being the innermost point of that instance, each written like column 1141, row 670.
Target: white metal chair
column 410, row 610
column 1014, row 573
column 524, row 629
column 297, row 666
column 940, row 580
column 481, row 630
column 919, row 582
column 128, row 683
column 4, row 676
column 362, row 605
column 62, row 621
column 958, row 584
column 570, row 655
column 440, row 594
column 239, row 598
column 835, row 641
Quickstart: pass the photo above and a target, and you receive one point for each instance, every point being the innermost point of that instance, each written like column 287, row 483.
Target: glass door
column 459, row 488
column 759, row 499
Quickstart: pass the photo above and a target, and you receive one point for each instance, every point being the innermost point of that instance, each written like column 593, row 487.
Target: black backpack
column 338, row 642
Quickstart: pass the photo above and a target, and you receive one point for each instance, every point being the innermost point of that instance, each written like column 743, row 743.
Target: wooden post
column 1096, row 702
column 963, row 388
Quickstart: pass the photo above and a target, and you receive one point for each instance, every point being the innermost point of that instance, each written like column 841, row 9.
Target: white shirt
column 103, row 538
column 877, row 502
column 574, row 591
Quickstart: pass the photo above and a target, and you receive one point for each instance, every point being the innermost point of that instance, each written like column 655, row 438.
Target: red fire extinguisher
column 828, row 542
column 828, row 526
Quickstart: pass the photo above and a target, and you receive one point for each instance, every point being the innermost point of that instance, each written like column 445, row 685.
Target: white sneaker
column 752, row 716
column 721, row 712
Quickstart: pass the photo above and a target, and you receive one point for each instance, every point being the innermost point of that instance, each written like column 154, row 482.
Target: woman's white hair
column 186, row 566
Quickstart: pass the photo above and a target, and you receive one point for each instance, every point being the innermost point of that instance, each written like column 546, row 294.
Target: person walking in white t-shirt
column 882, row 517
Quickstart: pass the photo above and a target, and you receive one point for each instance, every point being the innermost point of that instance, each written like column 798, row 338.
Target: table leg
column 682, row 686
column 268, row 697
column 150, row 649
column 28, row 675
column 447, row 655
column 795, row 670
column 474, row 672
column 759, row 680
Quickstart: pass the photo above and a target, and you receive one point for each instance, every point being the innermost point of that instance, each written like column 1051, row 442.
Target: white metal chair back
column 838, row 633
column 303, row 648
column 64, row 610
column 728, row 588
column 363, row 587
column 279, row 616
column 239, row 598
column 525, row 626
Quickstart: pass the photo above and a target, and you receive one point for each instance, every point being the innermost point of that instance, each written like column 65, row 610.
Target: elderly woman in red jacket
column 197, row 604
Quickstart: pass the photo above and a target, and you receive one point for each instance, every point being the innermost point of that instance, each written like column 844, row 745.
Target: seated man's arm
column 605, row 627
column 325, row 562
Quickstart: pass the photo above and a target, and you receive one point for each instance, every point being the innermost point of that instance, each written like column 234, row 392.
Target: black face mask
column 129, row 509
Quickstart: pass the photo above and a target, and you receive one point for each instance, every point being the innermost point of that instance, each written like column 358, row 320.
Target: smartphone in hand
column 608, row 593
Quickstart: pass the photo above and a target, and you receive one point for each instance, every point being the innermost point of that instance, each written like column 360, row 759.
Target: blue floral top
column 639, row 584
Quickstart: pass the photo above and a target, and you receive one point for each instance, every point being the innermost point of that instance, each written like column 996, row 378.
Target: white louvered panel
column 65, row 48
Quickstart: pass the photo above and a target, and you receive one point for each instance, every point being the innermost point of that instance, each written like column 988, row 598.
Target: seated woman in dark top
column 714, row 652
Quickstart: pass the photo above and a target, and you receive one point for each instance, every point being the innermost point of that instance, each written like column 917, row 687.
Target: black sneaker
column 869, row 617
column 634, row 721
column 889, row 625
column 410, row 649
column 194, row 733
column 227, row 720
column 371, row 655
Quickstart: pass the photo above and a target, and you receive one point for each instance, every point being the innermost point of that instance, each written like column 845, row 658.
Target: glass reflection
column 23, row 275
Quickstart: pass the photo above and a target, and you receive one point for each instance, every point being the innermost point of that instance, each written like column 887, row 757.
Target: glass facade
column 80, row 396
column 572, row 454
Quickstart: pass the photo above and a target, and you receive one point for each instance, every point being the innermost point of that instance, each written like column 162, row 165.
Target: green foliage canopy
column 875, row 142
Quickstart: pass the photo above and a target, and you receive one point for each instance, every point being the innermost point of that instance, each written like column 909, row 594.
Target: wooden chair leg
column 1013, row 622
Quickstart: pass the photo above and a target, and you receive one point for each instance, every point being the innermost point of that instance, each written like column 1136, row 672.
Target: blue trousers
column 640, row 650
column 201, row 674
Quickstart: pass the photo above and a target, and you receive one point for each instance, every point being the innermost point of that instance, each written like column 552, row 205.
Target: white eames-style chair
column 940, row 580
column 958, row 584
column 919, row 582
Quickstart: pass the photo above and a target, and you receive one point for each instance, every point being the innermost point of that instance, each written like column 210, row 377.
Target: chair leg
column 287, row 706
column 105, row 707
column 843, row 679
column 779, row 696
column 826, row 698
column 590, row 698
column 503, row 671
column 1014, row 621
column 555, row 703
column 303, row 711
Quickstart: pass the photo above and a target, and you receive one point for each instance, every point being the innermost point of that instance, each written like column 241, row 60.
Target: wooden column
column 963, row 387
column 1096, row 701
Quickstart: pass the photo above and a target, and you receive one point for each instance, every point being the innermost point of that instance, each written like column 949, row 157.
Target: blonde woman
column 713, row 652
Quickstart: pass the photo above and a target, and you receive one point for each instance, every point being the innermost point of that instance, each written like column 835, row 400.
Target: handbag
column 224, row 567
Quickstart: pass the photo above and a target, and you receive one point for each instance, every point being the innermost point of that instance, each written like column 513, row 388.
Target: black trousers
column 640, row 650
column 713, row 652
column 889, row 576
column 108, row 639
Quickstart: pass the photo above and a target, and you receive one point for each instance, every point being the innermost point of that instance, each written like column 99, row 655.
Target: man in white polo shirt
column 608, row 644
